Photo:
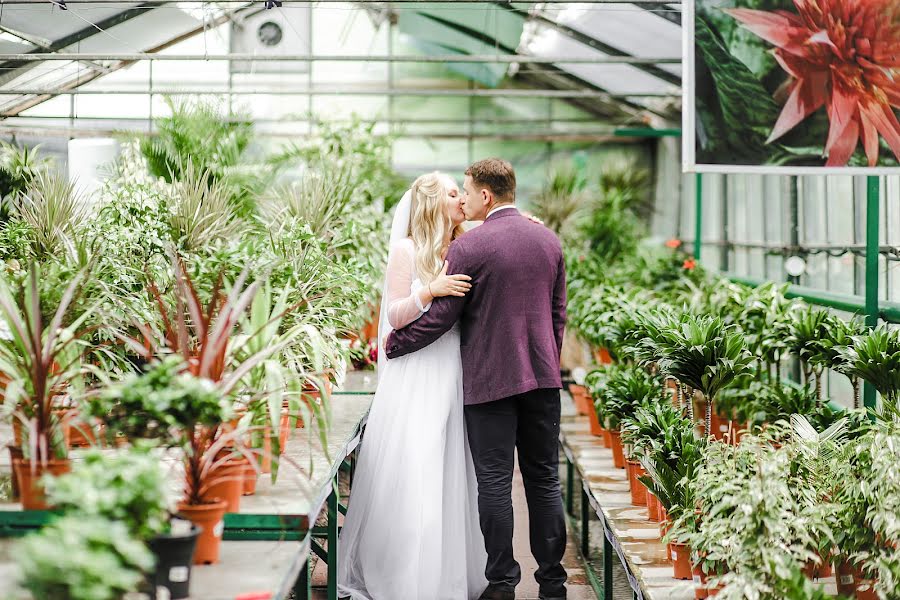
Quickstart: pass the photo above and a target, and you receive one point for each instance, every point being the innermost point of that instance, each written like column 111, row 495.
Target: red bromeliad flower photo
column 842, row 56
column 804, row 82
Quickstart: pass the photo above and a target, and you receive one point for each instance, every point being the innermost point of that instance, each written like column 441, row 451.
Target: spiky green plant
column 202, row 212
column 321, row 199
column 702, row 353
column 806, row 330
column 832, row 345
column 624, row 390
column 875, row 357
column 54, row 209
column 646, row 430
column 562, row 199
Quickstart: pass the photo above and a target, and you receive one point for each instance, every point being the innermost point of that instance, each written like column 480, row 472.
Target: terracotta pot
column 226, row 483
column 603, row 357
column 284, row 431
column 719, row 426
column 638, row 489
column 208, row 517
column 596, row 429
column 579, row 396
column 617, row 450
column 652, row 506
column 607, row 438
column 30, row 487
column 680, row 555
column 844, row 578
column 83, row 434
column 250, row 477
column 701, row 589
column 865, row 588
column 820, row 570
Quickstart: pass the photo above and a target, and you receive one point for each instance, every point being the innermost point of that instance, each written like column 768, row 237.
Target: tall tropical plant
column 41, row 358
column 53, row 208
column 875, row 357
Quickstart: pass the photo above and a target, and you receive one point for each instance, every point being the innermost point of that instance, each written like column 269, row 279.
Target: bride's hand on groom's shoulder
column 532, row 218
column 449, row 285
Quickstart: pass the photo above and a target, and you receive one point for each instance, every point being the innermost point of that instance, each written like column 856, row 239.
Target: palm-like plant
column 765, row 322
column 202, row 211
column 646, row 430
column 562, row 199
column 671, row 465
column 40, row 359
column 806, row 329
column 320, row 199
column 53, row 209
column 18, row 168
column 704, row 354
column 875, row 357
column 837, row 337
column 624, row 391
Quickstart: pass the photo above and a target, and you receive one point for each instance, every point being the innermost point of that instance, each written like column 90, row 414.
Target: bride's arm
column 405, row 305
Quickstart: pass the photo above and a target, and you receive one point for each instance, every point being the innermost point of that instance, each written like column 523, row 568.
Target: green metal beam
column 698, row 216
column 646, row 132
column 845, row 302
column 890, row 312
column 873, row 202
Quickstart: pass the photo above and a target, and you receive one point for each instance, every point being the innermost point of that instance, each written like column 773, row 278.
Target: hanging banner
column 792, row 86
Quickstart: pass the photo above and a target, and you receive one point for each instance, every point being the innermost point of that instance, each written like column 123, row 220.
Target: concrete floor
column 578, row 586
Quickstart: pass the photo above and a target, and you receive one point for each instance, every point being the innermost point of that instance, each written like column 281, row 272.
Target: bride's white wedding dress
column 412, row 531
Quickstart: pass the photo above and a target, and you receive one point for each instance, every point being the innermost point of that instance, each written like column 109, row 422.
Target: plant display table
column 627, row 532
column 282, row 514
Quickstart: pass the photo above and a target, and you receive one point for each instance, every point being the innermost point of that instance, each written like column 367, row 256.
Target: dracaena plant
column 832, row 345
column 875, row 357
column 626, row 389
column 765, row 323
column 41, row 358
column 671, row 464
column 645, row 431
column 704, row 354
column 806, row 330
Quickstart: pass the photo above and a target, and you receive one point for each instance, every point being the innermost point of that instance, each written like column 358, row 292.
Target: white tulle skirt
column 411, row 531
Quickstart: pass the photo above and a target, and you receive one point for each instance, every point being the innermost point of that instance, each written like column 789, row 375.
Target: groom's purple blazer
column 513, row 318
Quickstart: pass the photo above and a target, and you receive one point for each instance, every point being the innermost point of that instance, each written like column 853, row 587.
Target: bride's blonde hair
column 428, row 224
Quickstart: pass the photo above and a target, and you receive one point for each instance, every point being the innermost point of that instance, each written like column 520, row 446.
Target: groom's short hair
column 496, row 175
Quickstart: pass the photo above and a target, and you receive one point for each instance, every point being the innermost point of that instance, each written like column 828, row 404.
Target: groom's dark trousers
column 511, row 330
column 528, row 423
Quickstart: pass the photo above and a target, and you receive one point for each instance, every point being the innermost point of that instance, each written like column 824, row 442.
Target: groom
column 512, row 324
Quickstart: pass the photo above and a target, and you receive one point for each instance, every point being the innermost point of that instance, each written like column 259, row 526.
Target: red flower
column 841, row 54
column 673, row 243
column 689, row 264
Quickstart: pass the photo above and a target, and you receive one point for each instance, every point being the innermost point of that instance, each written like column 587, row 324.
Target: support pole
column 585, row 524
column 607, row 567
column 698, row 216
column 570, row 487
column 333, row 544
column 301, row 586
column 873, row 202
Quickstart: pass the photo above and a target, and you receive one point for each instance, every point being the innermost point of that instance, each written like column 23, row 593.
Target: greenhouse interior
column 469, row 300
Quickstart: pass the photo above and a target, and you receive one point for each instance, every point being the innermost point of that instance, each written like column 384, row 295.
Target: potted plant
column 593, row 384
column 131, row 487
column 625, row 390
column 645, row 432
column 169, row 404
column 704, row 354
column 875, row 357
column 79, row 557
column 41, row 359
column 808, row 329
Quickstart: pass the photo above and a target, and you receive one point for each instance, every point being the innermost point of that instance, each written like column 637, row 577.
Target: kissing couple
column 475, row 322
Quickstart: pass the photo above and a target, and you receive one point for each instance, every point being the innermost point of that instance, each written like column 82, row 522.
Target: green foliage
column 54, row 212
column 646, row 430
column 624, row 390
column 612, row 230
column 735, row 112
column 562, row 199
column 78, row 557
column 163, row 403
column 129, row 487
column 18, row 168
column 875, row 357
column 671, row 465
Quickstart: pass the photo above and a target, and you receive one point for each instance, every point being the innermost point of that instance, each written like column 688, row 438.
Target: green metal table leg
column 585, row 524
column 301, row 586
column 332, row 546
column 607, row 568
column 570, row 487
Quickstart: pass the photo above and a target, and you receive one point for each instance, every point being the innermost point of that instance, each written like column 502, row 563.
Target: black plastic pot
column 174, row 557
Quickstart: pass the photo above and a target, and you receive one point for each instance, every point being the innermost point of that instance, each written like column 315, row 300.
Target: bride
column 412, row 530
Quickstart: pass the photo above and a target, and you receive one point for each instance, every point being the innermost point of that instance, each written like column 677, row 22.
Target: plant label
column 179, row 574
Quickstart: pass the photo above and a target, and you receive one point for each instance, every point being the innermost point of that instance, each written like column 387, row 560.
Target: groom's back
column 513, row 317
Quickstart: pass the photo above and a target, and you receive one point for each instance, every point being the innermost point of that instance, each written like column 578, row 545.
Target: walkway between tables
column 578, row 588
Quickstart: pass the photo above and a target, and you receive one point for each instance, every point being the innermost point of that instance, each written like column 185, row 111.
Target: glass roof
column 647, row 92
